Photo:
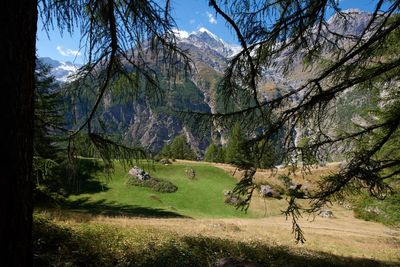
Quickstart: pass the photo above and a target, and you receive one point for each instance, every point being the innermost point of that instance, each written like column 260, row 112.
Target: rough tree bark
column 17, row 40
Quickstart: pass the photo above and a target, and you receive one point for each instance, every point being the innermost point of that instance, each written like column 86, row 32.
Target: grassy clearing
column 196, row 198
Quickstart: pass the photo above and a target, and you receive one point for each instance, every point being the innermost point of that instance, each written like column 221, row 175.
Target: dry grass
column 342, row 236
column 307, row 177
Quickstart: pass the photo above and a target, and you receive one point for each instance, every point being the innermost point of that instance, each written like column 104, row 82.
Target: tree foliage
column 166, row 151
column 214, row 153
column 124, row 41
column 237, row 151
column 282, row 34
column 49, row 134
column 180, row 149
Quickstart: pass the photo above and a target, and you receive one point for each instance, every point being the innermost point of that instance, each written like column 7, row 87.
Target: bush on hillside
column 384, row 211
column 157, row 185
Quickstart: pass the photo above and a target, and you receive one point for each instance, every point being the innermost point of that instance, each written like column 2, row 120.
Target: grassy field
column 113, row 224
column 196, row 198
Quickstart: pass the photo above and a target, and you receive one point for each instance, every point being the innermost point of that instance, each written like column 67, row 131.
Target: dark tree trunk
column 17, row 40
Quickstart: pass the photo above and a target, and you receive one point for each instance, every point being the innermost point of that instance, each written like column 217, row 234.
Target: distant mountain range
column 139, row 122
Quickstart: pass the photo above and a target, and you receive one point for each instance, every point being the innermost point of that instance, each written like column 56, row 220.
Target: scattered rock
column 345, row 205
column 326, row 214
column 190, row 173
column 165, row 161
column 374, row 210
column 233, row 200
column 227, row 192
column 217, row 225
column 294, row 187
column 139, row 173
column 268, row 191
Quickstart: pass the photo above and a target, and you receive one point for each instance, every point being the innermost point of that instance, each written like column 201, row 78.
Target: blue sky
column 190, row 15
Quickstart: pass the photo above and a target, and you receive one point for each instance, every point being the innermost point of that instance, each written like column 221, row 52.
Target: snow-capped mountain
column 204, row 38
column 60, row 70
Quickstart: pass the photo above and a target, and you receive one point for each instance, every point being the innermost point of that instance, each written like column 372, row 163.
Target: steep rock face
column 153, row 129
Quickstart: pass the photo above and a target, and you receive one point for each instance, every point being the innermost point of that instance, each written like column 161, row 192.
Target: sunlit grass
column 197, row 198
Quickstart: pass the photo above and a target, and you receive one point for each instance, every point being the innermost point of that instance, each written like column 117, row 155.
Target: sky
column 190, row 15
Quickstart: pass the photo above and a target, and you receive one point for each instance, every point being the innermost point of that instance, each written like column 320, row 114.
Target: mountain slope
column 139, row 122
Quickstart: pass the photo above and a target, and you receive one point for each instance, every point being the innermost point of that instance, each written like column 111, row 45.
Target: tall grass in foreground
column 64, row 243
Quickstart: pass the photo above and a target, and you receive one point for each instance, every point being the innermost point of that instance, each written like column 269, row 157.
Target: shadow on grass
column 89, row 186
column 111, row 208
column 87, row 179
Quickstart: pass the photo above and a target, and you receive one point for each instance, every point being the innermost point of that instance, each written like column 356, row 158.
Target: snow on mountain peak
column 205, row 39
column 204, row 30
column 61, row 71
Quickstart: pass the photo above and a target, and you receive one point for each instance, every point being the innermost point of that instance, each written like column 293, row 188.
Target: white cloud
column 181, row 34
column 68, row 52
column 211, row 18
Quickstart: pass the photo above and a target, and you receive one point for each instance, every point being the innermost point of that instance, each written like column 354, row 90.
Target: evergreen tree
column 180, row 149
column 211, row 153
column 265, row 154
column 166, row 151
column 49, row 133
column 114, row 33
column 214, row 153
column 17, row 38
column 222, row 155
column 236, row 150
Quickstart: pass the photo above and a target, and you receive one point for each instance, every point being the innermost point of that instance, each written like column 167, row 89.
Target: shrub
column 384, row 211
column 157, row 185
